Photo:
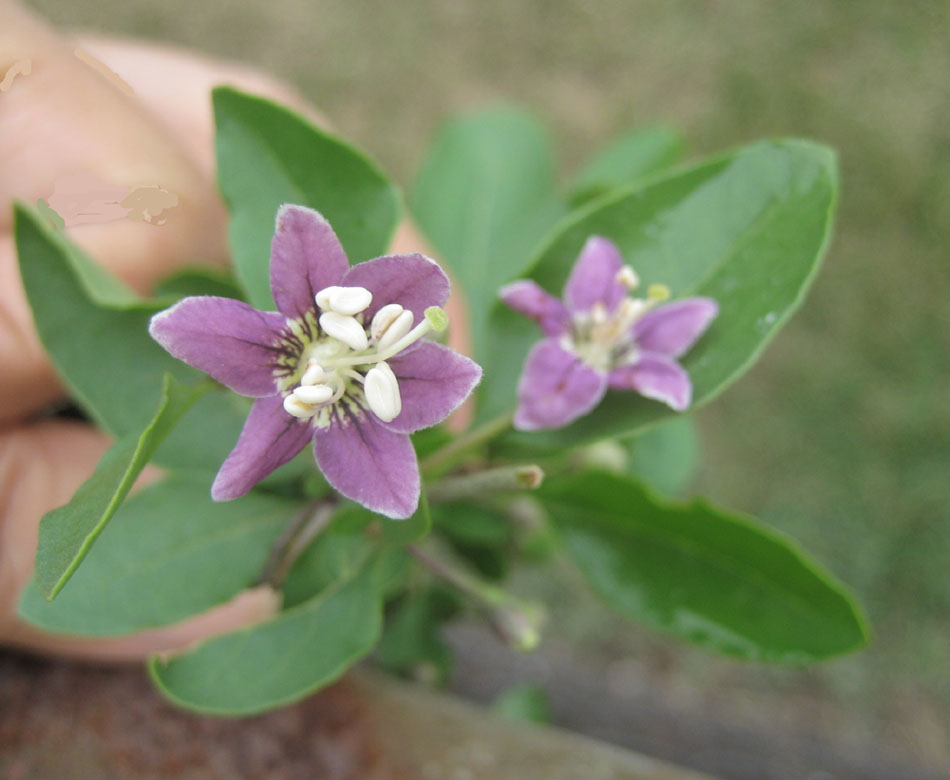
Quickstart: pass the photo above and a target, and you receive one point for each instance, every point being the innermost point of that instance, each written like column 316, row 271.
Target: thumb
column 41, row 466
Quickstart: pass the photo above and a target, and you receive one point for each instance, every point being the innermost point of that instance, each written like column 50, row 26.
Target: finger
column 175, row 86
column 41, row 466
column 66, row 118
column 247, row 608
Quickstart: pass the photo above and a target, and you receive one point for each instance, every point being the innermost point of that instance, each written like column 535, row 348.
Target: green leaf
column 411, row 644
column 402, row 532
column 282, row 660
column 66, row 534
column 631, row 157
column 666, row 456
column 485, row 196
column 482, row 535
column 99, row 343
column 748, row 229
column 198, row 281
column 524, row 702
column 721, row 580
column 171, row 552
column 267, row 156
column 338, row 552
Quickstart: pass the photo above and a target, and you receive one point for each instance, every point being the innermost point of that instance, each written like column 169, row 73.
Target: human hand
column 69, row 119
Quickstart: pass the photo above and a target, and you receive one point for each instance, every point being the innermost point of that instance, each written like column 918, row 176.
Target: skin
column 67, row 117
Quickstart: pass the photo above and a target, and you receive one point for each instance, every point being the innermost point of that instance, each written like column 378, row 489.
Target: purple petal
column 532, row 300
column 305, row 257
column 594, row 278
column 233, row 342
column 414, row 281
column 270, row 438
column 658, row 377
column 433, row 381
column 368, row 463
column 556, row 388
column 673, row 328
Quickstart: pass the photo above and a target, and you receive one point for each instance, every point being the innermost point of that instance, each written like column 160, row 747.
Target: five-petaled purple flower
column 600, row 337
column 342, row 363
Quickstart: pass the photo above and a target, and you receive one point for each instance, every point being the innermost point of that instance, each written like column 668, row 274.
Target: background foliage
column 850, row 443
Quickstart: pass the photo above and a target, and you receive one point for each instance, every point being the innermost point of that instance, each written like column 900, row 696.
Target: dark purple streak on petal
column 594, row 278
column 270, row 438
column 531, row 299
column 673, row 328
column 433, row 382
column 413, row 281
column 369, row 464
column 305, row 257
column 233, row 342
column 556, row 388
column 655, row 376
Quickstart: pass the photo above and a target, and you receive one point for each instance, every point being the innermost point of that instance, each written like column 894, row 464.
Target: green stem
column 516, row 622
column 441, row 460
column 481, row 483
column 294, row 539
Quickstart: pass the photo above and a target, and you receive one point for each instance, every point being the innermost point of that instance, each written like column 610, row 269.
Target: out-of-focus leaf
column 198, row 281
column 485, row 196
column 631, row 157
column 524, row 702
column 268, row 156
column 666, row 456
column 411, row 644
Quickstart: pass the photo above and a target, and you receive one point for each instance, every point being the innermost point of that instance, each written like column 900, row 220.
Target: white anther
column 382, row 392
column 314, row 394
column 314, row 374
column 598, row 313
column 298, row 408
column 345, row 329
column 350, row 300
column 399, row 327
column 628, row 278
column 323, row 297
column 384, row 318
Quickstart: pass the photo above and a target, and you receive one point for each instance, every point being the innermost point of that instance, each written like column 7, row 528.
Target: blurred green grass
column 841, row 435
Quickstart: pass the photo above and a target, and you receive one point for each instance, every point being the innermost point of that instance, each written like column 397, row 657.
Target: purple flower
column 600, row 337
column 343, row 364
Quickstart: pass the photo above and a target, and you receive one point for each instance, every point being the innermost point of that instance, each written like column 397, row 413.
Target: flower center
column 604, row 339
column 348, row 359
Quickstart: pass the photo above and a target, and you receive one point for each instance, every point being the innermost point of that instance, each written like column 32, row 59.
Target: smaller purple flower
column 343, row 364
column 600, row 337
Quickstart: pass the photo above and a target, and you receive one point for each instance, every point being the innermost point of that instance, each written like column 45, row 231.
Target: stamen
column 314, row 374
column 323, row 297
column 314, row 394
column 350, row 300
column 384, row 318
column 345, row 329
column 628, row 278
column 658, row 292
column 396, row 330
column 293, row 405
column 382, row 392
column 384, row 354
